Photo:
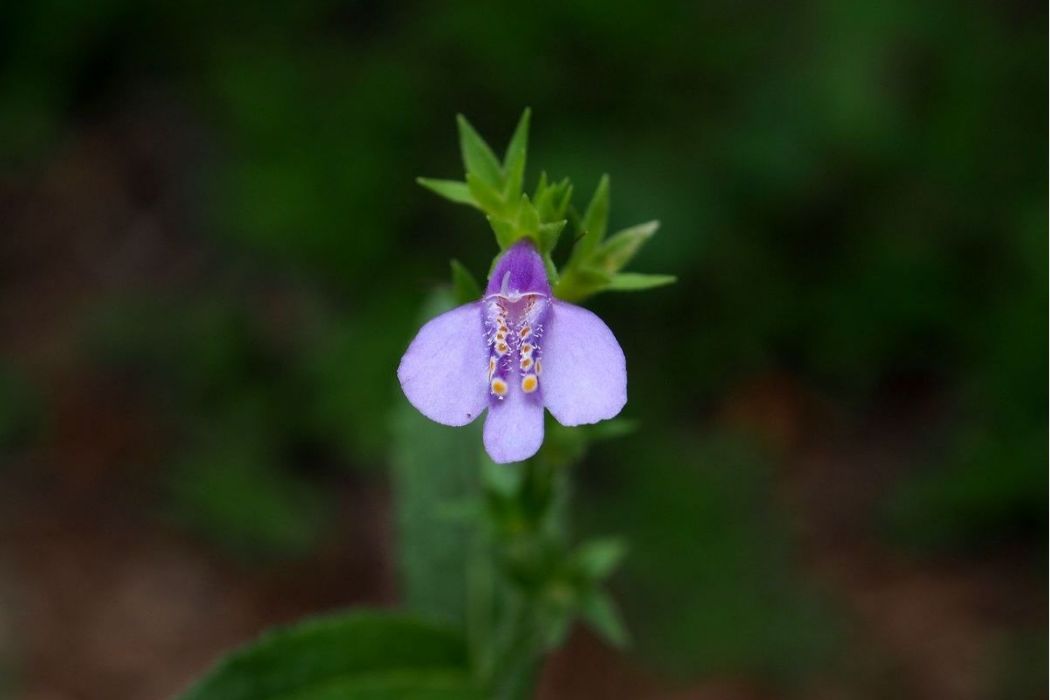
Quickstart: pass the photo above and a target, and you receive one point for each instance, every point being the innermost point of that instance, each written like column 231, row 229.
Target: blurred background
column 213, row 254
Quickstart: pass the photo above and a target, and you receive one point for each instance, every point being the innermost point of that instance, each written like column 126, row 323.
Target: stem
column 510, row 650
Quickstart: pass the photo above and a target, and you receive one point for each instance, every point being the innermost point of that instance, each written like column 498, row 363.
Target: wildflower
column 515, row 352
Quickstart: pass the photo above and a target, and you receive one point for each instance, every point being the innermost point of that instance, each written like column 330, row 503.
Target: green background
column 214, row 252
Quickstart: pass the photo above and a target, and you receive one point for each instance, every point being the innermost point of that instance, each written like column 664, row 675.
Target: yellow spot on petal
column 499, row 387
column 492, row 366
column 526, row 349
column 539, row 368
column 502, row 348
column 529, row 383
column 526, row 362
column 524, row 332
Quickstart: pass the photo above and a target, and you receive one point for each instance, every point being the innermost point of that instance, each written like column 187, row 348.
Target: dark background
column 213, row 254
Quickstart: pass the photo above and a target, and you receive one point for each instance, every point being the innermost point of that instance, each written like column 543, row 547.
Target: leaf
column 514, row 159
column 549, row 233
column 591, row 277
column 505, row 232
column 552, row 199
column 555, row 632
column 544, row 197
column 599, row 558
column 595, row 220
column 419, row 685
column 618, row 250
column 552, row 269
column 578, row 283
column 528, row 218
column 486, row 195
column 601, row 613
column 478, row 158
column 458, row 192
column 378, row 654
column 564, row 191
column 634, row 281
column 434, row 471
column 541, row 188
column 464, row 285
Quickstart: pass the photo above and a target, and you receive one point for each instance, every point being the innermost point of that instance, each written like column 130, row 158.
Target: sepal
column 495, row 186
column 452, row 190
column 617, row 251
column 478, row 158
column 636, row 281
column 514, row 158
column 595, row 263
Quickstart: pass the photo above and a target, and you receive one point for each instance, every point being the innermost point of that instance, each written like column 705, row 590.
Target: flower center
column 513, row 331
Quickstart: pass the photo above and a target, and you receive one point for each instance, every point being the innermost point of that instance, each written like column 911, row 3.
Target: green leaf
column 618, row 250
column 487, row 196
column 552, row 198
column 528, row 218
column 378, row 654
column 563, row 199
column 591, row 277
column 552, row 269
column 577, row 283
column 549, row 233
column 602, row 615
column 514, row 159
column 595, row 220
column 634, row 281
column 599, row 558
column 458, row 192
column 464, row 285
column 413, row 685
column 505, row 231
column 547, row 198
column 478, row 158
column 541, row 188
column 556, row 631
column 434, row 473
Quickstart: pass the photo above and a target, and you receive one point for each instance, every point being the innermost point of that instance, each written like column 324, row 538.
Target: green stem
column 512, row 646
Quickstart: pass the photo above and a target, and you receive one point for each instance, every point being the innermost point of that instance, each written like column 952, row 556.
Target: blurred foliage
column 709, row 583
column 19, row 412
column 435, row 477
column 246, row 466
column 238, row 497
column 372, row 656
column 850, row 193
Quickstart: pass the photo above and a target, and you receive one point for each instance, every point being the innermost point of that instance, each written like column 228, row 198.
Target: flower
column 515, row 352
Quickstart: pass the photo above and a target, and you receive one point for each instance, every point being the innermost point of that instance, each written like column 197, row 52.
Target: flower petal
column 519, row 270
column 584, row 371
column 514, row 427
column 443, row 371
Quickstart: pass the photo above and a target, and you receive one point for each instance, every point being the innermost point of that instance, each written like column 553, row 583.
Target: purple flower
column 514, row 352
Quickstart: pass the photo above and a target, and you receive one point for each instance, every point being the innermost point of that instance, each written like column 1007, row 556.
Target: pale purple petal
column 514, row 427
column 584, row 376
column 443, row 371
